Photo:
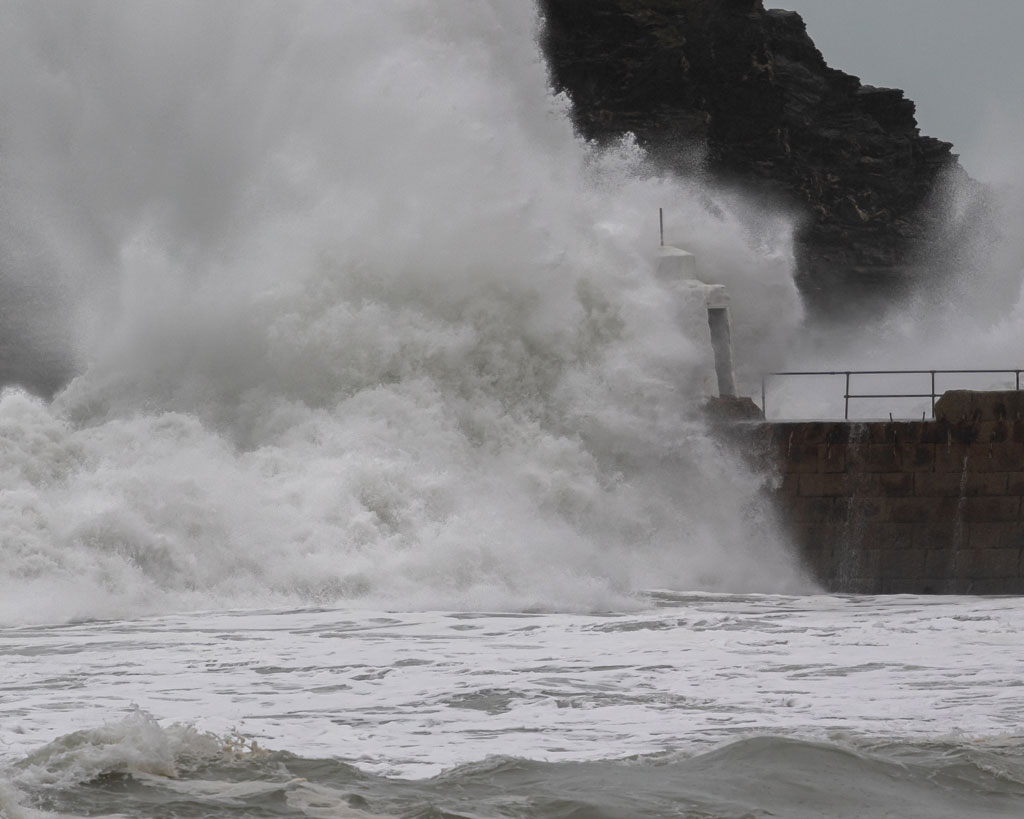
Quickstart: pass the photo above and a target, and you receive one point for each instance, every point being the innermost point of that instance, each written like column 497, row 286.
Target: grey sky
column 961, row 61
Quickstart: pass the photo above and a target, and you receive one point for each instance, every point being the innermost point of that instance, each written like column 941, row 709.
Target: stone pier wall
column 905, row 506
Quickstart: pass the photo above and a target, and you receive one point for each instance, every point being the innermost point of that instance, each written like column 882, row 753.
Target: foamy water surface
column 716, row 706
column 413, row 694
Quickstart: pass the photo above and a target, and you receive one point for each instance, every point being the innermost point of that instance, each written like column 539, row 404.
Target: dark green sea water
column 760, row 777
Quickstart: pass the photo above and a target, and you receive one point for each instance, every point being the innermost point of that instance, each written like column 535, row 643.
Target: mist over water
column 965, row 311
column 355, row 316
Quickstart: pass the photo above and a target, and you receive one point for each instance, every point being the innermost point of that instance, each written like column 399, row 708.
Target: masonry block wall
column 905, row 506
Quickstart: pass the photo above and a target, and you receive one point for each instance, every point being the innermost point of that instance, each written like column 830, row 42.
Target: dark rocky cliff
column 749, row 86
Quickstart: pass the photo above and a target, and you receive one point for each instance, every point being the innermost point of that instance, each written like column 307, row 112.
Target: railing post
column 764, row 406
column 933, row 393
column 846, row 408
column 1017, row 375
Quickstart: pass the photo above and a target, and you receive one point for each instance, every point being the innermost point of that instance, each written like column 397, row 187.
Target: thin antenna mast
column 661, row 225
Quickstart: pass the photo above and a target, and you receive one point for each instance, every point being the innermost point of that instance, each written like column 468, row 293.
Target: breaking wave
column 355, row 315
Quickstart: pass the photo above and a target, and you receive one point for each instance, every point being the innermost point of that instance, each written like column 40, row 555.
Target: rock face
column 748, row 85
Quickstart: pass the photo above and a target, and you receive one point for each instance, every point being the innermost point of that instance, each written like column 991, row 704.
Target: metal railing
column 848, row 374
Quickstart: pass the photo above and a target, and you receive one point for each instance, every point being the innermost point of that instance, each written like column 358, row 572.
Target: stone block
column 1002, row 585
column 761, row 454
column 951, row 457
column 896, row 484
column 984, row 564
column 935, row 585
column 806, row 536
column 783, row 433
column 866, row 561
column 758, row 435
column 819, row 563
column 918, row 458
column 956, row 405
column 899, row 433
column 934, row 432
column 877, row 458
column 939, row 484
column 816, row 510
column 940, row 564
column 837, row 485
column 842, row 432
column 902, row 563
column 823, row 485
column 962, row 432
column 966, row 484
column 1007, row 456
column 856, row 511
column 880, row 432
column 1015, row 483
column 900, row 585
column 989, row 405
column 903, row 434
column 836, row 521
column 987, row 483
column 921, row 510
column 979, row 457
column 815, row 432
column 998, row 535
column 886, row 535
column 802, row 458
column 833, row 458
column 911, row 433
column 846, row 560
column 1005, row 405
column 991, row 509
column 789, row 484
column 942, row 537
column 993, row 431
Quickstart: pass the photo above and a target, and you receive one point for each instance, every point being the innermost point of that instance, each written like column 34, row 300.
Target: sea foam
column 357, row 316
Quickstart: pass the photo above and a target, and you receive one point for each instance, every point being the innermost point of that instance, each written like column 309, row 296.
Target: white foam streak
column 418, row 693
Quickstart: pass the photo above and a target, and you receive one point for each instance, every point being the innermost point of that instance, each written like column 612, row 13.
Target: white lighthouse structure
column 678, row 269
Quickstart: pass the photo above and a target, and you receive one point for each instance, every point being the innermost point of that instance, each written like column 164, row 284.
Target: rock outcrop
column 749, row 87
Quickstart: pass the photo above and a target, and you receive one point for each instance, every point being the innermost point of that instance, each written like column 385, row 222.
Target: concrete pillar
column 717, row 301
column 678, row 266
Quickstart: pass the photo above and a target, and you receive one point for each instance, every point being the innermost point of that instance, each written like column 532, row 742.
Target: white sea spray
column 359, row 317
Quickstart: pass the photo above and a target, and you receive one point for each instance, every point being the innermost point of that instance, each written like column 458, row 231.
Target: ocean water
column 355, row 464
column 697, row 705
